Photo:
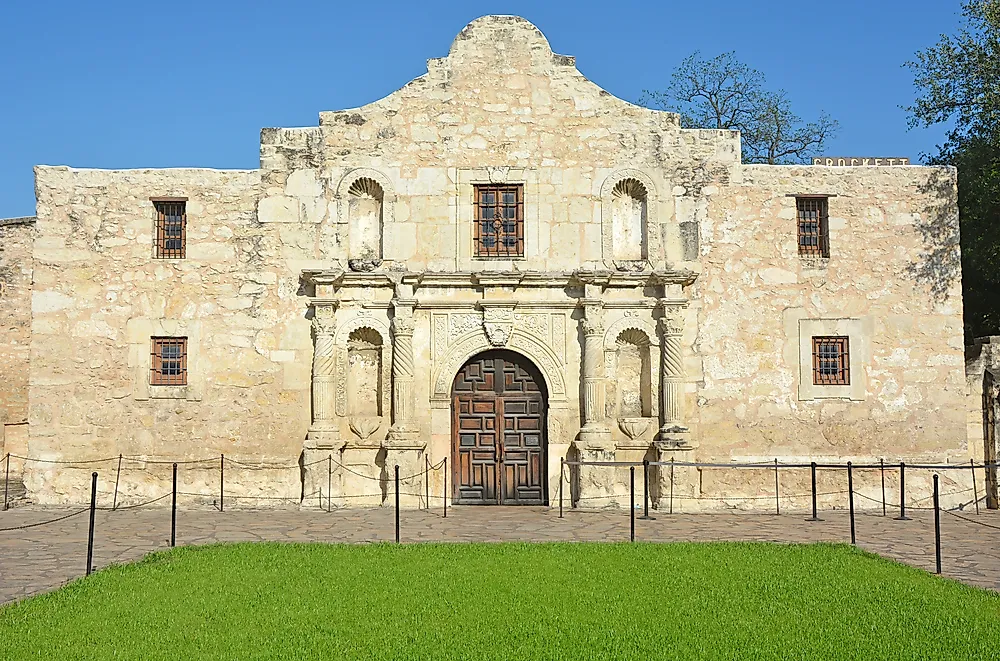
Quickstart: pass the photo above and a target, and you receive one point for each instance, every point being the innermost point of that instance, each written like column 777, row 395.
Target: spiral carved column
column 672, row 370
column 324, row 380
column 404, row 425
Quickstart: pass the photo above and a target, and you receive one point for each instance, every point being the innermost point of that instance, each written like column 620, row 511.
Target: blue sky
column 190, row 83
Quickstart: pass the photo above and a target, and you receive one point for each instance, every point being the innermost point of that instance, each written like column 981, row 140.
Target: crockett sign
column 858, row 160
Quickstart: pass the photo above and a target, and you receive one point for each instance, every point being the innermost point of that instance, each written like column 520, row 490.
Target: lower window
column 831, row 362
column 168, row 366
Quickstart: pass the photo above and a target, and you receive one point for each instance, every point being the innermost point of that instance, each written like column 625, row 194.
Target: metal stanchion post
column 397, row 502
column 631, row 504
column 427, row 486
column 850, row 497
column 902, row 493
column 562, row 470
column 329, row 483
column 6, row 479
column 671, row 485
column 645, row 491
column 222, row 482
column 881, row 465
column 93, row 512
column 445, row 494
column 118, row 474
column 173, row 512
column 937, row 528
column 975, row 489
column 812, row 474
column 777, row 504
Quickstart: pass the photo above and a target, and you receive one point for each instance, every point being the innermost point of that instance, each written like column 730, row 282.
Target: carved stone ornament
column 497, row 333
column 634, row 427
column 365, row 265
column 365, row 427
column 591, row 328
column 631, row 265
column 672, row 323
column 323, row 319
column 498, row 175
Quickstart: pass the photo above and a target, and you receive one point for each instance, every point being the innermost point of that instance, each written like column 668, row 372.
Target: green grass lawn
column 507, row 601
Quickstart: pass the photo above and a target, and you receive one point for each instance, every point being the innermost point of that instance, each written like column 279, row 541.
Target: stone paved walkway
column 43, row 558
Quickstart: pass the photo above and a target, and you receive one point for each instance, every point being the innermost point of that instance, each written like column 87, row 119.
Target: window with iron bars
column 831, row 361
column 814, row 230
column 168, row 364
column 499, row 222
column 171, row 228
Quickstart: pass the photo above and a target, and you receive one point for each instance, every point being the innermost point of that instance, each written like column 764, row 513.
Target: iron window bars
column 831, row 361
column 499, row 222
column 814, row 231
column 171, row 228
column 169, row 361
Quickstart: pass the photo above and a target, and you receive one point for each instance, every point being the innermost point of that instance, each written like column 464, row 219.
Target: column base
column 403, row 438
column 595, row 437
column 674, row 437
column 324, row 439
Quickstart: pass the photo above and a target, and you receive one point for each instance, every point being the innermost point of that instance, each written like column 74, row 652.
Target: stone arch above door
column 467, row 346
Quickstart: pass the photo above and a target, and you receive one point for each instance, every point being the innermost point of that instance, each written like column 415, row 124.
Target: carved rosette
column 672, row 369
column 324, row 379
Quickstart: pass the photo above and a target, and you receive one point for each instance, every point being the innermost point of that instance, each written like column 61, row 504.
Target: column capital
column 324, row 313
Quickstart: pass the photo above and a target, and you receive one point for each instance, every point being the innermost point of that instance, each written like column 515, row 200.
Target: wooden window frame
column 838, row 360
column 167, row 218
column 171, row 370
column 507, row 244
column 812, row 218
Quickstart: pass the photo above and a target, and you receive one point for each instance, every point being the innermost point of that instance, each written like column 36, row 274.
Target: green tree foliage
column 958, row 81
column 724, row 93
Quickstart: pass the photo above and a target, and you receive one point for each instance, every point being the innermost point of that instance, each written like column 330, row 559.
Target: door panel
column 498, row 425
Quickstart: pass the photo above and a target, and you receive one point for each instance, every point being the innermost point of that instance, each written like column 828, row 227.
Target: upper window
column 814, row 230
column 499, row 229
column 831, row 361
column 169, row 362
column 171, row 230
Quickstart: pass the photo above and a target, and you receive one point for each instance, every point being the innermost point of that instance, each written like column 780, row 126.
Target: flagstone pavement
column 42, row 558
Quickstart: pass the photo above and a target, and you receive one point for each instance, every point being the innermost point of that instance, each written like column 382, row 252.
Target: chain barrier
column 45, row 523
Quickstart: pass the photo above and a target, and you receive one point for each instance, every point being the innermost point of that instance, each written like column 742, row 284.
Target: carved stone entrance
column 498, row 431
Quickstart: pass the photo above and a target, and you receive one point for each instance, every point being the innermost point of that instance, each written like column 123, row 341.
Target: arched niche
column 366, row 205
column 364, row 373
column 362, row 346
column 629, row 228
column 631, row 360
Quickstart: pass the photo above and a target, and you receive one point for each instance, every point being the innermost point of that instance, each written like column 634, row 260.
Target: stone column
column 595, row 431
column 672, row 371
column 324, row 378
column 404, row 428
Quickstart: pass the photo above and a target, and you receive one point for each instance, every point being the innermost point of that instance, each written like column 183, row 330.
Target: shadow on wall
column 940, row 265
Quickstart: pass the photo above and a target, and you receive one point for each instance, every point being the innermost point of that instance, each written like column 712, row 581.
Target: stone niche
column 628, row 212
column 628, row 218
column 365, row 199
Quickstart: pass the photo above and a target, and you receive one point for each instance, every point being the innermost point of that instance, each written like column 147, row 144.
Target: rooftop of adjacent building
column 19, row 220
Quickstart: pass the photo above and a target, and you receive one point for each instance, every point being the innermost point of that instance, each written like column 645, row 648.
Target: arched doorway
column 498, row 409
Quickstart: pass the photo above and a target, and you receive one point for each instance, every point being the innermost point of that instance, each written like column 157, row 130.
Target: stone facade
column 16, row 239
column 330, row 298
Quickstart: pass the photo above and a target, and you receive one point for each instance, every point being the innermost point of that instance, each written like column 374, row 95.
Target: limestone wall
column 99, row 296
column 894, row 268
column 16, row 237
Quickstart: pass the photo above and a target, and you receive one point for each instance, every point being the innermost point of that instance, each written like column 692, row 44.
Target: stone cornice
column 337, row 278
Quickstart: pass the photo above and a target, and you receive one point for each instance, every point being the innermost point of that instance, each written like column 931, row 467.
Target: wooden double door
column 498, row 432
